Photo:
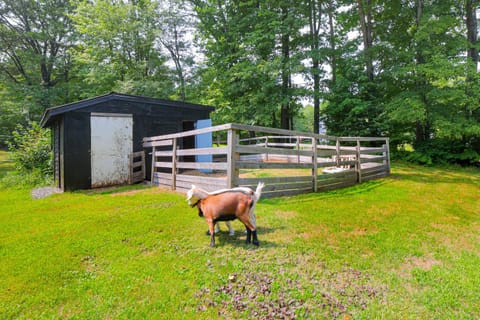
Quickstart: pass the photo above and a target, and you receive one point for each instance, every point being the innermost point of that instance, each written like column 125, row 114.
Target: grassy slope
column 403, row 247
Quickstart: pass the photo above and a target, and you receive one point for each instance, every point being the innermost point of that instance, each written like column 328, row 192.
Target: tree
column 117, row 50
column 35, row 38
column 176, row 24
column 251, row 51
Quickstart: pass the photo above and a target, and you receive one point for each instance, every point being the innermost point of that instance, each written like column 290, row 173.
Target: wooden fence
column 288, row 162
column 136, row 167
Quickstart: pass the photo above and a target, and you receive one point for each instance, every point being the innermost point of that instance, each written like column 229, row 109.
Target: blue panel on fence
column 204, row 141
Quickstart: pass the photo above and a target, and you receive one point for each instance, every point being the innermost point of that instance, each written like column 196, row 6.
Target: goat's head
column 194, row 195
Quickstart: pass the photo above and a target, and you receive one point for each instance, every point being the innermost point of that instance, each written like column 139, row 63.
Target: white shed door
column 111, row 145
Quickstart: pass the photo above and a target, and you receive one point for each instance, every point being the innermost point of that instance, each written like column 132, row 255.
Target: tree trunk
column 333, row 55
column 472, row 35
column 366, row 27
column 421, row 132
column 314, row 18
column 285, row 104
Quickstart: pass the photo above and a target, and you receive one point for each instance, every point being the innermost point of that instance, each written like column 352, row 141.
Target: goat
column 226, row 205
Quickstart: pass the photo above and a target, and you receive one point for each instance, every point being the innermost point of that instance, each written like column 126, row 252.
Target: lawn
column 403, row 247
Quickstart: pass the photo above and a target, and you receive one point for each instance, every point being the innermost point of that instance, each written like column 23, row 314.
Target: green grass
column 404, row 247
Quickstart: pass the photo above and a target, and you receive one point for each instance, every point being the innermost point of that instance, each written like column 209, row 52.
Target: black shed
column 93, row 138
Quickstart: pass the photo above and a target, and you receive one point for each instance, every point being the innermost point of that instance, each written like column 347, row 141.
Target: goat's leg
column 231, row 232
column 249, row 236
column 251, row 231
column 211, row 228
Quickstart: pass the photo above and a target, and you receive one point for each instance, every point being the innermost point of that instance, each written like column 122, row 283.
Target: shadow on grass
column 114, row 189
column 430, row 175
column 365, row 187
column 238, row 240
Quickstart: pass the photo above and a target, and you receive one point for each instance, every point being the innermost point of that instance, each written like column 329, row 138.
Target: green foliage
column 30, row 149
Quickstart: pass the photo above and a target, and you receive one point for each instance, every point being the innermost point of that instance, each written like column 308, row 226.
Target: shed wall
column 148, row 120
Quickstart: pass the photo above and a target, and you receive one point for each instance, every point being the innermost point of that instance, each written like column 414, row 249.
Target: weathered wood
column 365, row 150
column 232, row 156
column 377, row 168
column 202, row 151
column 333, row 186
column 188, row 133
column 153, row 164
column 192, row 178
column 193, row 165
column 358, row 165
column 364, row 139
column 273, row 165
column 271, row 151
column 374, row 176
column 373, row 159
column 270, row 180
column 314, row 165
column 285, row 193
column 174, row 164
column 160, row 143
column 139, row 175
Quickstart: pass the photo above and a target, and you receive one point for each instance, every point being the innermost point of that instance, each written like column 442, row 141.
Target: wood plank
column 361, row 139
column 269, row 151
column 326, row 164
column 345, row 173
column 314, row 172
column 379, row 168
column 163, row 153
column 193, row 165
column 188, row 133
column 337, row 185
column 276, row 131
column 273, row 165
column 200, row 151
column 368, row 150
column 287, row 186
column 212, row 180
column 232, row 157
column 159, row 143
column 375, row 176
column 285, row 193
column 207, row 186
column 271, row 180
column 174, row 164
column 373, row 159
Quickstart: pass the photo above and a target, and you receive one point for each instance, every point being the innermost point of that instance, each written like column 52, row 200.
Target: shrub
column 31, row 153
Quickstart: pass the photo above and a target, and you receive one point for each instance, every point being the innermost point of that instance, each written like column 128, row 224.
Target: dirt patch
column 422, row 263
column 286, row 214
column 43, row 192
column 313, row 291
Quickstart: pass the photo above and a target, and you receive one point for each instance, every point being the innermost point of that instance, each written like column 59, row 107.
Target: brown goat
column 227, row 205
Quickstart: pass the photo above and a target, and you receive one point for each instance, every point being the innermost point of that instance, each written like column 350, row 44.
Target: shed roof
column 52, row 112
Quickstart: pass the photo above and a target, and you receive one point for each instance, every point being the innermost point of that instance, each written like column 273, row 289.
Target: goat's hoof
column 256, row 243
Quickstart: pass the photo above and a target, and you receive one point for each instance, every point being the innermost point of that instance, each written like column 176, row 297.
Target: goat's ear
column 193, row 186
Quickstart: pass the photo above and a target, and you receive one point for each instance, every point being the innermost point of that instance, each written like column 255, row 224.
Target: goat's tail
column 258, row 192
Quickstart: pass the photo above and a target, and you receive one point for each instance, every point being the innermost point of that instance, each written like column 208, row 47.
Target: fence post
column 298, row 149
column 359, row 163
column 337, row 150
column 314, row 164
column 152, row 174
column 232, row 157
column 387, row 151
column 174, row 164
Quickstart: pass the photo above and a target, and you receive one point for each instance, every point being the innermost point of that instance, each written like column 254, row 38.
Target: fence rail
column 289, row 162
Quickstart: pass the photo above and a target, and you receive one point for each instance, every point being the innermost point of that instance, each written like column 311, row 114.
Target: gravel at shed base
column 39, row 193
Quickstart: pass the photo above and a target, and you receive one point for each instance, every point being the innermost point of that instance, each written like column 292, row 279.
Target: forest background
column 407, row 69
